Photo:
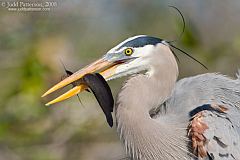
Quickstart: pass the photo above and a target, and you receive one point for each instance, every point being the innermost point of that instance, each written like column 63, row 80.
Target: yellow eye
column 128, row 51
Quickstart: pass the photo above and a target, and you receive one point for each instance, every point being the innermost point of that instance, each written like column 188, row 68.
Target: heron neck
column 143, row 136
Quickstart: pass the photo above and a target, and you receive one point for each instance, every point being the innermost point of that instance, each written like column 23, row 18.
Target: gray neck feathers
column 146, row 138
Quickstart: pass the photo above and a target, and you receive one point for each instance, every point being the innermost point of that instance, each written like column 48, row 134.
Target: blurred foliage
column 77, row 32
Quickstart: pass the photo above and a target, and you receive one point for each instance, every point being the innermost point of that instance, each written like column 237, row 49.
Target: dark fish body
column 102, row 93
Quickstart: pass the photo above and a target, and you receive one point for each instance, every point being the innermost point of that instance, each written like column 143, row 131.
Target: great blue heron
column 161, row 119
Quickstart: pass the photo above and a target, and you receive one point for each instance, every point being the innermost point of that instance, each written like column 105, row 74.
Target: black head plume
column 180, row 36
column 184, row 24
column 171, row 45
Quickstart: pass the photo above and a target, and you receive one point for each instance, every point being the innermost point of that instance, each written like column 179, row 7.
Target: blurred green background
column 32, row 45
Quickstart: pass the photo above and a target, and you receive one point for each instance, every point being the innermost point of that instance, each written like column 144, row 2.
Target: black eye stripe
column 140, row 42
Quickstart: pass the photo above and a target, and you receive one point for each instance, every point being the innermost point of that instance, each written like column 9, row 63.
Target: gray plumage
column 153, row 113
column 223, row 135
column 159, row 118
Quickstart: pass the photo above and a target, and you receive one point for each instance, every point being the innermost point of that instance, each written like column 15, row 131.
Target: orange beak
column 104, row 67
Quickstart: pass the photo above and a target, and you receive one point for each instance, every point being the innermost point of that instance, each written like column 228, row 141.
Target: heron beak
column 102, row 66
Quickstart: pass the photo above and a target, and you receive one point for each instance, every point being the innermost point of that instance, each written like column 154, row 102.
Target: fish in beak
column 101, row 66
column 90, row 77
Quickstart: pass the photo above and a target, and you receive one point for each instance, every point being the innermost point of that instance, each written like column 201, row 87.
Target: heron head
column 134, row 55
column 129, row 57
